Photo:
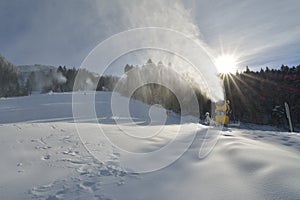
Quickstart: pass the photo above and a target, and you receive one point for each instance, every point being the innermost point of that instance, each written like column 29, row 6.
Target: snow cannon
column 222, row 110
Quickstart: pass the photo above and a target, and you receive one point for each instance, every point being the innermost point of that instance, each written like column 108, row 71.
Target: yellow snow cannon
column 222, row 110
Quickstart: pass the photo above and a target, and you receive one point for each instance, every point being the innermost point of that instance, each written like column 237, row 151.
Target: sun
column 226, row 64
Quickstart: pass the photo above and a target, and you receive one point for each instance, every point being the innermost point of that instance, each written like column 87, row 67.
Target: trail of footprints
column 65, row 150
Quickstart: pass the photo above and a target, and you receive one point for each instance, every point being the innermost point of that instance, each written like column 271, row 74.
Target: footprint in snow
column 45, row 157
column 285, row 138
column 17, row 127
column 20, row 141
column 71, row 152
column 20, row 167
column 42, row 147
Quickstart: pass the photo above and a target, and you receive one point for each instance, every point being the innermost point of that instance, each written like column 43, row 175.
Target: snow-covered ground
column 43, row 157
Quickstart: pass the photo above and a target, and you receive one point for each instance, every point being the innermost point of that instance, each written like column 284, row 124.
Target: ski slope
column 43, row 157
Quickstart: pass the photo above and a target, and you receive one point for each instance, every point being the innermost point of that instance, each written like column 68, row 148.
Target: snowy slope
column 42, row 157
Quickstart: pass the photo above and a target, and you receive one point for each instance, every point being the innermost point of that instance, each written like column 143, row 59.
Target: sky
column 63, row 32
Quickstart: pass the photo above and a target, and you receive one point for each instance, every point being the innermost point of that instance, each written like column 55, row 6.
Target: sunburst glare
column 226, row 64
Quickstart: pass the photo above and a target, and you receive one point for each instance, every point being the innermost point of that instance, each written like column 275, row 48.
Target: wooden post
column 288, row 115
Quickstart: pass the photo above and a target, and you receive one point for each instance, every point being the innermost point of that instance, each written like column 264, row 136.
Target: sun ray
column 227, row 77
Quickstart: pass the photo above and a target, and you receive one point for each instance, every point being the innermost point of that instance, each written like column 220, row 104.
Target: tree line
column 259, row 97
column 62, row 80
column 14, row 82
column 255, row 96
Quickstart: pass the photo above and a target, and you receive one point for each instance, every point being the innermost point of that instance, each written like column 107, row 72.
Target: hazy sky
column 63, row 32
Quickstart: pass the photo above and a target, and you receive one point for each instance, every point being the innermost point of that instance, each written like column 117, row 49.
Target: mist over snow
column 183, row 87
column 42, row 76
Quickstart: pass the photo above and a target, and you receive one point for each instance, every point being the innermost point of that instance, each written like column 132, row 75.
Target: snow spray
column 165, row 33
